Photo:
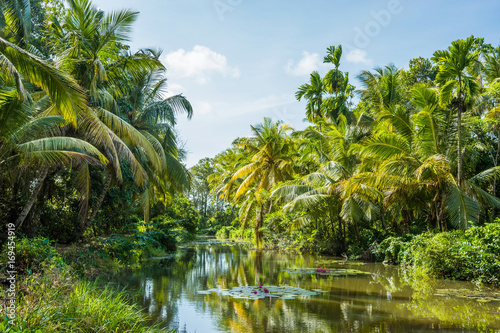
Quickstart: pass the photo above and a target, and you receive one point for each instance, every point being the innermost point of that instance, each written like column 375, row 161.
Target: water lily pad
column 480, row 296
column 330, row 262
column 259, row 292
column 326, row 271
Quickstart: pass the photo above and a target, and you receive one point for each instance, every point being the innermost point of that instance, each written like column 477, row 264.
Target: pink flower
column 329, row 271
column 260, row 286
column 255, row 291
column 266, row 290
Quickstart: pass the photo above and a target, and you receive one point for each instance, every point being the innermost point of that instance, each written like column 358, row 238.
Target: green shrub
column 224, row 232
column 459, row 255
column 33, row 255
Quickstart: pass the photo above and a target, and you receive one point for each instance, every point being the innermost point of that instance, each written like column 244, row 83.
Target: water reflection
column 385, row 301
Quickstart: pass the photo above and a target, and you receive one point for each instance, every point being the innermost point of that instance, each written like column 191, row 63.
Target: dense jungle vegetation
column 399, row 168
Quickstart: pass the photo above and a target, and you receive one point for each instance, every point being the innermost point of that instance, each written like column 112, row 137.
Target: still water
column 383, row 301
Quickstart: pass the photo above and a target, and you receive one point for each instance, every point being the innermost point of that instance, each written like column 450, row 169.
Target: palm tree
column 458, row 86
column 322, row 194
column 270, row 152
column 154, row 116
column 44, row 146
column 90, row 41
column 383, row 88
column 412, row 165
column 313, row 92
column 336, row 83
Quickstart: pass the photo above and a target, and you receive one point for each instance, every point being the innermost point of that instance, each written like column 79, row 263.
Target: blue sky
column 240, row 60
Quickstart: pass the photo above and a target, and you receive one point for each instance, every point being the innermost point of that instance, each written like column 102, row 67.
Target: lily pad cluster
column 479, row 296
column 326, row 271
column 339, row 262
column 260, row 292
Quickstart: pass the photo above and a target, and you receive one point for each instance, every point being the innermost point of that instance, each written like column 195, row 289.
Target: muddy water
column 383, row 301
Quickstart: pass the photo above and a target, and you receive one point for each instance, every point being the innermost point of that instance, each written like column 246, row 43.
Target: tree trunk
column 258, row 225
column 495, row 164
column 407, row 217
column 27, row 207
column 98, row 204
column 342, row 233
column 440, row 217
column 461, row 107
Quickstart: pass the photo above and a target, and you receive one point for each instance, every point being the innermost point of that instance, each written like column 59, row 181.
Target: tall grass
column 57, row 302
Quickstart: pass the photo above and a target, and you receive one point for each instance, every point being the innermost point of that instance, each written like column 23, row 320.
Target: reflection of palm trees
column 258, row 267
column 354, row 304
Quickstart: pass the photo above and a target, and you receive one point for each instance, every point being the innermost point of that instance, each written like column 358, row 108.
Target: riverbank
column 470, row 255
column 60, row 290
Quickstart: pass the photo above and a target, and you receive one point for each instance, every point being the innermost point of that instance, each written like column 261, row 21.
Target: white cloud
column 359, row 56
column 308, row 63
column 200, row 63
column 202, row 108
column 270, row 102
column 174, row 89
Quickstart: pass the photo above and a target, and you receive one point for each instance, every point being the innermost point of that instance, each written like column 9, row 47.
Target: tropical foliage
column 85, row 124
column 419, row 151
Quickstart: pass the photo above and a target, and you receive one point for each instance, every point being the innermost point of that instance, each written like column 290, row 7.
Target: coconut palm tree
column 154, row 116
column 383, row 88
column 270, row 150
column 458, row 86
column 90, row 41
column 322, row 193
column 26, row 135
column 413, row 166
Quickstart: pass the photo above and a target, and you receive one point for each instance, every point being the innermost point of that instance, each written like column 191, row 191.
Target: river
column 174, row 292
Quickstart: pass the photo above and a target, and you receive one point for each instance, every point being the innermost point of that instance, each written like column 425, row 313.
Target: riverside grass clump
column 51, row 297
column 472, row 255
column 57, row 302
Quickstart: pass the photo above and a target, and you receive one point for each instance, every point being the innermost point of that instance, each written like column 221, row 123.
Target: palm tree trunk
column 459, row 143
column 342, row 233
column 496, row 161
column 27, row 207
column 258, row 225
column 98, row 204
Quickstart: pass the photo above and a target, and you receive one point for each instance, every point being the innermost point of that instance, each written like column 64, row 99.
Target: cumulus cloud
column 308, row 63
column 358, row 56
column 200, row 63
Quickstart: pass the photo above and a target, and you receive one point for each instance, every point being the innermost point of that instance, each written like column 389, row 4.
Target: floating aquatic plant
column 254, row 292
column 338, row 262
column 479, row 296
column 326, row 271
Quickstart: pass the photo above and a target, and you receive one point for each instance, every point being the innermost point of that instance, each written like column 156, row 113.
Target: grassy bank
column 471, row 255
column 55, row 291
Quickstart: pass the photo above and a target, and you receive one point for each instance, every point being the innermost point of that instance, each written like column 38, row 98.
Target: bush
column 459, row 255
column 225, row 232
column 33, row 255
